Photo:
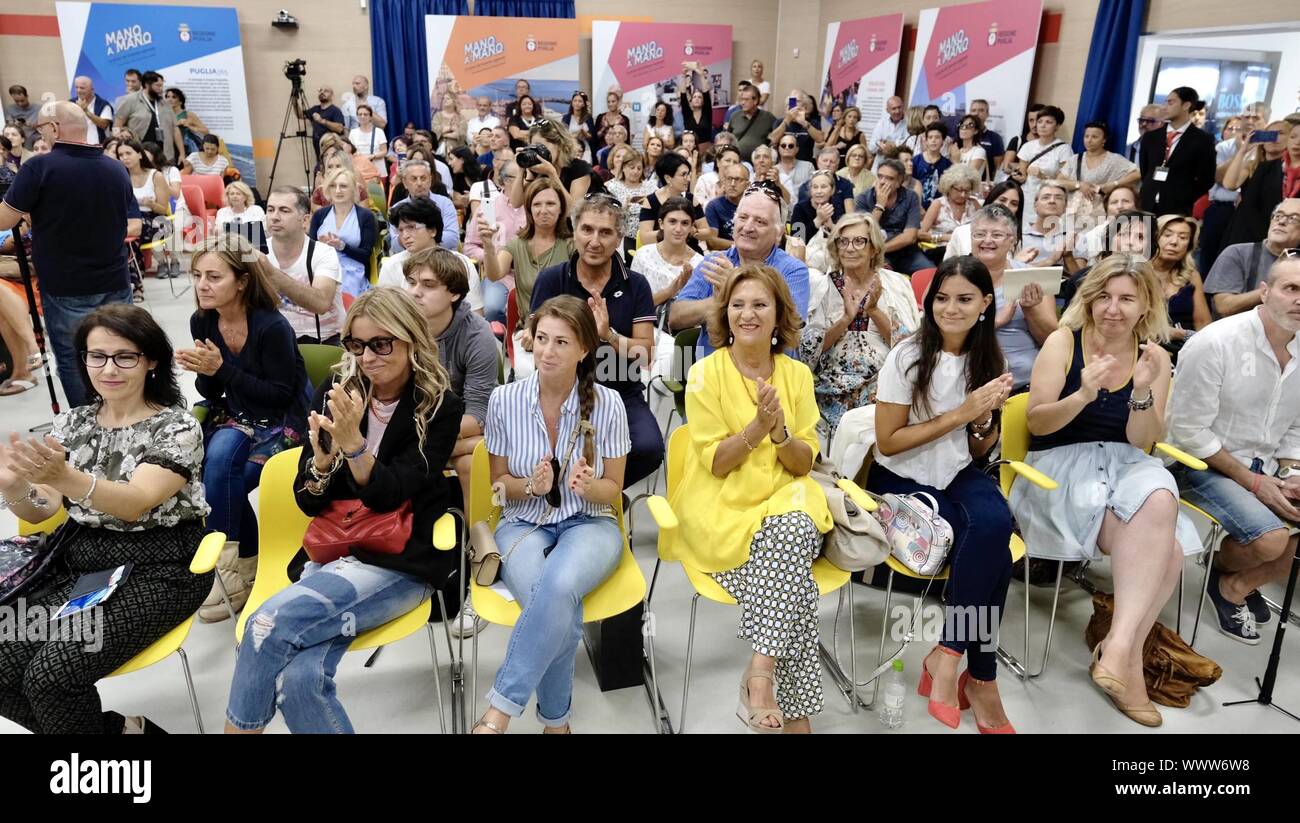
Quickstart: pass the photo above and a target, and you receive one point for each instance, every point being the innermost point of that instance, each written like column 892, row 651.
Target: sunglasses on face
column 381, row 346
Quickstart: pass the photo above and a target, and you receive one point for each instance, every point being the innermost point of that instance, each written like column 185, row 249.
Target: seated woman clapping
column 1096, row 405
column 381, row 431
column 750, row 514
column 127, row 466
column 558, row 444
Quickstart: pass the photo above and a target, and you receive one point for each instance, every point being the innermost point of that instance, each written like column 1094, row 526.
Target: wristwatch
column 785, row 430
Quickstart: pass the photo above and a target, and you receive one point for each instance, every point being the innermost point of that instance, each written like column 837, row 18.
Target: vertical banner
column 196, row 49
column 473, row 57
column 860, row 65
column 978, row 51
column 645, row 61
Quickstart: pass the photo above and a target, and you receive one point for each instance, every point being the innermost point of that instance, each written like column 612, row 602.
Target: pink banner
column 647, row 53
column 970, row 40
column 860, row 46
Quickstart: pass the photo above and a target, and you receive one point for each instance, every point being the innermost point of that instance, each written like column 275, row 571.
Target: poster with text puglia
column 196, row 49
column 860, row 65
column 647, row 62
column 473, row 57
column 977, row 51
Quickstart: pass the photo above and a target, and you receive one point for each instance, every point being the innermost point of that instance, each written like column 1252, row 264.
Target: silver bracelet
column 32, row 496
column 84, row 501
column 1142, row 405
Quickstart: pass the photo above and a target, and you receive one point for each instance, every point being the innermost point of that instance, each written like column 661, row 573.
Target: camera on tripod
column 295, row 70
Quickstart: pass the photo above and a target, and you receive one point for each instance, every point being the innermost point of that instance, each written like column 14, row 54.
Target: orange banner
column 480, row 50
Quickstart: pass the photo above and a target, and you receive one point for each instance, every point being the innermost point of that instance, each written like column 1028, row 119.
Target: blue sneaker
column 1263, row 614
column 1235, row 619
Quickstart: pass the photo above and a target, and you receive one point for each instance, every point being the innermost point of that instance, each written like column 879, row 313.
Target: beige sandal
column 753, row 718
column 487, row 724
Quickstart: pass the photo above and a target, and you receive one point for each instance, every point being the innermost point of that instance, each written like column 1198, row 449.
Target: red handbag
column 347, row 525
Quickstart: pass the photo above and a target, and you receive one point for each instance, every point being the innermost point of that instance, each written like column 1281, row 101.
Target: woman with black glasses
column 126, row 468
column 381, row 429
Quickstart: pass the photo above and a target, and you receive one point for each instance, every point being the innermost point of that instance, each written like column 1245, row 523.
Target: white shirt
column 390, row 274
column 796, row 177
column 252, row 214
column 324, row 263
column 707, row 187
column 886, row 129
column 1223, row 152
column 369, row 143
column 105, row 111
column 1178, row 135
column 349, row 109
column 658, row 272
column 477, row 124
column 201, row 165
column 1230, row 393
column 935, row 463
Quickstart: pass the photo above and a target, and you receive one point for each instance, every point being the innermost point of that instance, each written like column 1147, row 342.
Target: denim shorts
column 1241, row 514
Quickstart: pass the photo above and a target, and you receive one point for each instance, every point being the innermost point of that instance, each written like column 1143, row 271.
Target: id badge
column 1162, row 174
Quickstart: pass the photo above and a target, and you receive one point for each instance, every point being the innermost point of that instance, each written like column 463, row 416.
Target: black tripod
column 38, row 328
column 295, row 110
column 1265, row 697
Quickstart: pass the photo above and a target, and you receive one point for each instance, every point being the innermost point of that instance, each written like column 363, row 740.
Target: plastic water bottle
column 891, row 713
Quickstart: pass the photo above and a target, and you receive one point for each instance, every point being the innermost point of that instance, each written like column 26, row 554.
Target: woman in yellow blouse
column 750, row 514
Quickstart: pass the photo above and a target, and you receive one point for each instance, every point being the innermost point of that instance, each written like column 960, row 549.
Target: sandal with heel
column 752, row 717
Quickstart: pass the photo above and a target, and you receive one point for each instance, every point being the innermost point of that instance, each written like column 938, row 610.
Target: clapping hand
column 205, row 358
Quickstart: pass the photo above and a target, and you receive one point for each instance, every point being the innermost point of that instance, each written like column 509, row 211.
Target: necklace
column 378, row 407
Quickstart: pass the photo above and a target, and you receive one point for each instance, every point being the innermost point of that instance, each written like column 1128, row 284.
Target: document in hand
column 1014, row 280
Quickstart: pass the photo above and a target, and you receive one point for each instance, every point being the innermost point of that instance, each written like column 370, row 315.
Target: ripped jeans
column 293, row 643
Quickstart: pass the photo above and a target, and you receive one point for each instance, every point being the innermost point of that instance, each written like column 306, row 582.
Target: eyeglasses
column 40, row 123
column 789, row 145
column 1290, row 254
column 1285, row 219
column 858, row 243
column 995, row 236
column 381, row 346
column 1147, row 121
column 766, row 188
column 123, row 359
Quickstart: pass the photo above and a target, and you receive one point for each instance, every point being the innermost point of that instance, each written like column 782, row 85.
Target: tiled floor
column 397, row 694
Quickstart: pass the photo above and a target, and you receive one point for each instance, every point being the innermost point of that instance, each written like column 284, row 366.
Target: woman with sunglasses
column 126, row 467
column 381, row 429
column 558, row 444
column 252, row 378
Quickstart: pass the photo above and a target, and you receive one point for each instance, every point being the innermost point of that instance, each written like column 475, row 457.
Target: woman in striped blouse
column 558, row 444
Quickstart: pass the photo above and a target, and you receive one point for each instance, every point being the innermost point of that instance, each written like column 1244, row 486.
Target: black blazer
column 1191, row 170
column 400, row 473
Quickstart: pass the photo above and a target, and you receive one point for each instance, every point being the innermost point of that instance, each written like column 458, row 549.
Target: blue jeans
column 228, row 477
column 494, row 300
column 979, row 562
column 647, row 440
column 549, row 573
column 62, row 317
column 293, row 643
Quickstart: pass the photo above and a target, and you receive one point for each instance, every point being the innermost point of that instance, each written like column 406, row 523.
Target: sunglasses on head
column 766, row 188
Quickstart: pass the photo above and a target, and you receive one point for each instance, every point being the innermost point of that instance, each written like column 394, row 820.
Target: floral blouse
column 172, row 439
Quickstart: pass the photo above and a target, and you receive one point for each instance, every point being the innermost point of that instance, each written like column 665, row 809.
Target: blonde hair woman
column 1096, row 405
column 956, row 205
column 348, row 227
column 857, row 169
column 1174, row 265
column 240, row 206
column 381, row 429
column 449, row 125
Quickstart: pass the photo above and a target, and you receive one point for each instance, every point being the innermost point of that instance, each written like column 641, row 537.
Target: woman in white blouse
column 239, row 207
column 667, row 266
column 370, row 140
column 1042, row 159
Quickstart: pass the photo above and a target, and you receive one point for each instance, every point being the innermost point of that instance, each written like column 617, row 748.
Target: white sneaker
column 467, row 623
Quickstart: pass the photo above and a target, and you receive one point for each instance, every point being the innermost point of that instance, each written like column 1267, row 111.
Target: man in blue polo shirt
column 757, row 230
column 625, row 320
column 81, row 210
column 898, row 211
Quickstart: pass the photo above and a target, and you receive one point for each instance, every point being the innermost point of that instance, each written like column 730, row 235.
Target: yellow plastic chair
column 204, row 561
column 280, row 529
column 623, row 590
column 1015, row 445
column 829, row 578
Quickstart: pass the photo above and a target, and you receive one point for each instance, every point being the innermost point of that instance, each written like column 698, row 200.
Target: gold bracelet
column 745, row 440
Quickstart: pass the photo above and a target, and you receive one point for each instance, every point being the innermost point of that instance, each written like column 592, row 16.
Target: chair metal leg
column 884, row 627
column 1216, row 540
column 189, row 684
column 650, row 677
column 690, row 653
column 853, row 651
column 1178, row 620
column 474, row 682
column 437, row 677
column 1051, row 624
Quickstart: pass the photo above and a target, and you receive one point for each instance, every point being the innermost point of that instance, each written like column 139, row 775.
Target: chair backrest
column 1015, row 436
column 280, row 528
column 319, row 359
column 193, row 197
column 920, row 282
column 43, row 527
column 213, row 187
column 512, row 322
column 679, row 451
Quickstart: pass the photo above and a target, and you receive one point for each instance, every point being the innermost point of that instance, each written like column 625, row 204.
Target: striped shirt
column 516, row 430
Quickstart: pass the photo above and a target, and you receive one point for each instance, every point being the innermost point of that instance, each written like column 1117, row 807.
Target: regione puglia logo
column 644, row 53
column 185, row 33
column 531, row 44
column 483, row 49
column 125, row 39
column 993, row 33
column 850, row 52
column 689, row 48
